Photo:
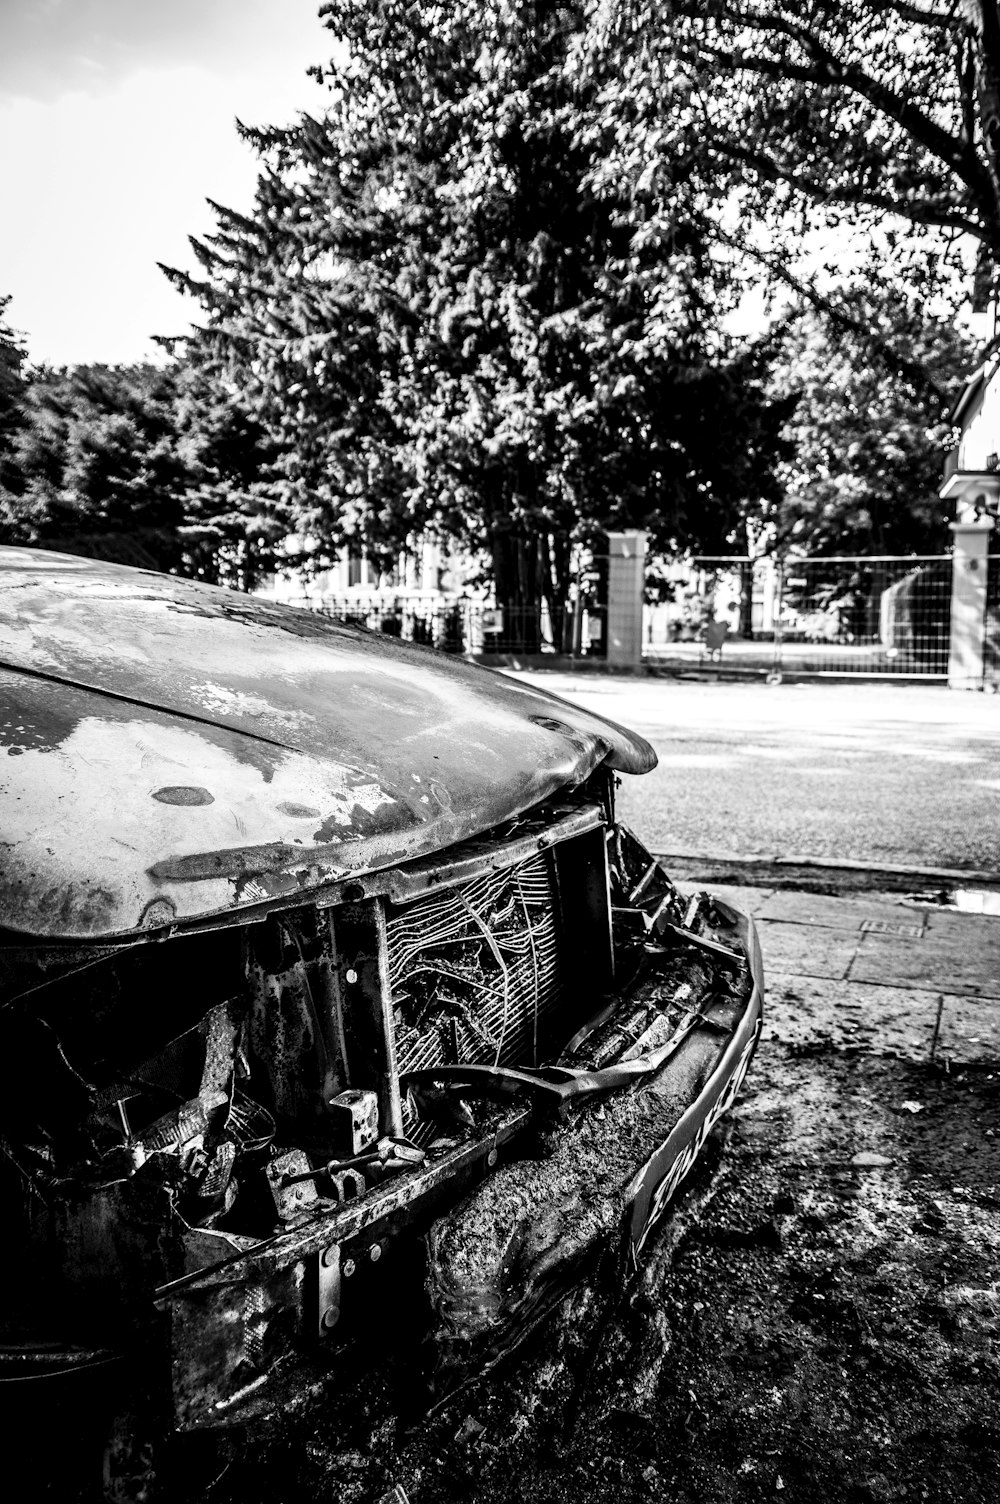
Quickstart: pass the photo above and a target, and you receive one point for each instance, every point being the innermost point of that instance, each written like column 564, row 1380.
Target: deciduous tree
column 867, row 446
column 101, row 475
column 874, row 115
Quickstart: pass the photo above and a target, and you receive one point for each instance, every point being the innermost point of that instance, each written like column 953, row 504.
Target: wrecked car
column 320, row 950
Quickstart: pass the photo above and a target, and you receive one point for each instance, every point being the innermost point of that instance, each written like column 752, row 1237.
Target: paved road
column 865, row 772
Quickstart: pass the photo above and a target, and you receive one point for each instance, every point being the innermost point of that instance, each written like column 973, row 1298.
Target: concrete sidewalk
column 915, row 982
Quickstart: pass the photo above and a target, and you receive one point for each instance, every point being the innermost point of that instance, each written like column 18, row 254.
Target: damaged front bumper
column 379, row 1096
column 556, row 1173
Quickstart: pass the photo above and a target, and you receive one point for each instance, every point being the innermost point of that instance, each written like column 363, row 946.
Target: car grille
column 474, row 970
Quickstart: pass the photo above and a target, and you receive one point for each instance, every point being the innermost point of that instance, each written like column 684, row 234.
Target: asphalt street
column 864, row 772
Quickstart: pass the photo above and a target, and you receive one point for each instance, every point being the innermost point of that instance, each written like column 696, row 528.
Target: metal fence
column 849, row 616
column 468, row 624
column 862, row 616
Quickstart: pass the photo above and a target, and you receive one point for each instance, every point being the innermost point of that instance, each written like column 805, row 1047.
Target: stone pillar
column 968, row 604
column 626, row 578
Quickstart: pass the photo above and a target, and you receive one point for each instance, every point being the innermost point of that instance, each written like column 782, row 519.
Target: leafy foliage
column 448, row 325
column 101, row 475
column 880, row 115
column 866, row 446
column 233, row 525
column 484, row 295
column 12, row 386
column 138, row 465
column 850, row 152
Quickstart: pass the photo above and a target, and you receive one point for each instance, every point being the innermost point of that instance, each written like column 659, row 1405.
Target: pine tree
column 153, row 466
column 448, row 325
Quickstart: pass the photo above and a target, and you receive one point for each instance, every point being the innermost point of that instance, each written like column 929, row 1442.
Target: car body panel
column 174, row 750
column 328, row 972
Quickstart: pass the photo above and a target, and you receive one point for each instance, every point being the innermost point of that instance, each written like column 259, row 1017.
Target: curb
column 553, row 663
column 827, row 869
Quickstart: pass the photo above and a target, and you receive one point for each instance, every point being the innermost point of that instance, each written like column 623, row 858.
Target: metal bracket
column 328, row 1289
column 290, row 1177
column 712, row 946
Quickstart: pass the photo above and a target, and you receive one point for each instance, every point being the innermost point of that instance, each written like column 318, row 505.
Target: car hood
column 171, row 750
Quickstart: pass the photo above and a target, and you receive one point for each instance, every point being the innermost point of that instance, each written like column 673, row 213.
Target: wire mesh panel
column 884, row 615
column 914, row 623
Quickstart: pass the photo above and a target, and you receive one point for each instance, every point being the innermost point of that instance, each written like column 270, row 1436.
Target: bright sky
column 117, row 122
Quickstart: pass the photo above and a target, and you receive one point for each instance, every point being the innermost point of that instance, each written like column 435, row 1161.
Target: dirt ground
column 817, row 1320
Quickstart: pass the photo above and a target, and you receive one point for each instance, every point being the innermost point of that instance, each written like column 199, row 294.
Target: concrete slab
column 970, row 1031
column 979, row 948
column 970, row 968
column 807, row 1012
column 807, row 950
column 945, row 923
column 838, row 913
column 813, row 1014
column 869, row 972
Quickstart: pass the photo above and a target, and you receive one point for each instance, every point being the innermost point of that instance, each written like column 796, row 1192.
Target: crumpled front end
column 229, row 1141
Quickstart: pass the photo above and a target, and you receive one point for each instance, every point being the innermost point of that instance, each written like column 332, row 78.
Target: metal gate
column 849, row 616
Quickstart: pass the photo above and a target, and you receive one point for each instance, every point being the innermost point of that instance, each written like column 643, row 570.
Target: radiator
column 474, row 970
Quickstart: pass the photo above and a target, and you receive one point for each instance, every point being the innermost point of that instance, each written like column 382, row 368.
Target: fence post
column 968, row 604
column 626, row 578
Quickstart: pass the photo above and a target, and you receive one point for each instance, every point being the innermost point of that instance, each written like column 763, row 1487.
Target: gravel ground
column 866, row 772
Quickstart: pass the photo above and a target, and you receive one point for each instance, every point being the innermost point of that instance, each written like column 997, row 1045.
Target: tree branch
column 927, row 212
column 918, row 14
column 826, row 69
column 911, row 371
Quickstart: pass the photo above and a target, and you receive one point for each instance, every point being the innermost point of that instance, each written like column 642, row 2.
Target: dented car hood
column 171, row 750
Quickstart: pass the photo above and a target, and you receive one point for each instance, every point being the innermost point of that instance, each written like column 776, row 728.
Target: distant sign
column 493, row 619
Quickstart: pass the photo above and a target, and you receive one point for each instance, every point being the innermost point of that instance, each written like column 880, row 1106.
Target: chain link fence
column 851, row 615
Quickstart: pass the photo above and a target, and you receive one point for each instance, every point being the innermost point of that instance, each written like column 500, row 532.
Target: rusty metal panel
column 172, row 750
